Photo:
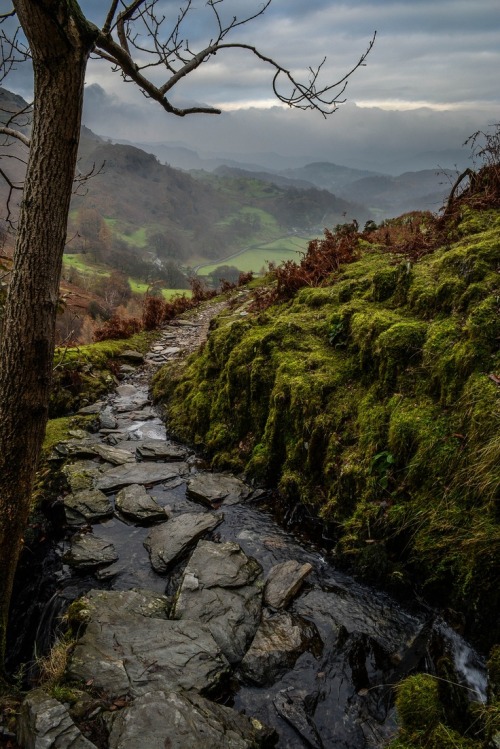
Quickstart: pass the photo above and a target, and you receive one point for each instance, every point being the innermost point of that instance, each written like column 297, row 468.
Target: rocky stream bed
column 206, row 624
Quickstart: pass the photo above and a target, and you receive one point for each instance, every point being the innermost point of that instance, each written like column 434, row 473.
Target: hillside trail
column 201, row 617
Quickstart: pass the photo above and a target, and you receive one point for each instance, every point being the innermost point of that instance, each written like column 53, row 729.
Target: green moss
column 369, row 400
column 83, row 374
column 422, row 718
column 57, row 429
column 417, row 703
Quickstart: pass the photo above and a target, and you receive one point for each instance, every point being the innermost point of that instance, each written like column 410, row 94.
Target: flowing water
column 339, row 693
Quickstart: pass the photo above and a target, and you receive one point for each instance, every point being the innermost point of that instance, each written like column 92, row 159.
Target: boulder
column 87, row 551
column 284, row 582
column 185, row 721
column 135, row 502
column 44, row 722
column 214, row 489
column 139, row 473
column 222, row 588
column 126, row 650
column 171, row 540
column 87, row 506
column 279, row 641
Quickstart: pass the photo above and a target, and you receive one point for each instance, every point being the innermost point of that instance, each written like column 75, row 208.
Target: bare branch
column 132, row 71
column 9, row 14
column 15, row 134
column 173, row 53
column 110, row 17
column 12, row 187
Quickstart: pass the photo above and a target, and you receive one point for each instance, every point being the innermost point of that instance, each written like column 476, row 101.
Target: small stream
column 339, row 692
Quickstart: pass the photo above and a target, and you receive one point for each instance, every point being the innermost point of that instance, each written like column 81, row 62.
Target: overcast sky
column 430, row 81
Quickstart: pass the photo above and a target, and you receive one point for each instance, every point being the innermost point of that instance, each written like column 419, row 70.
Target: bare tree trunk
column 60, row 46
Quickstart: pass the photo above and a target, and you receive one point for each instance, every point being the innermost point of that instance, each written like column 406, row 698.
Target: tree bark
column 60, row 42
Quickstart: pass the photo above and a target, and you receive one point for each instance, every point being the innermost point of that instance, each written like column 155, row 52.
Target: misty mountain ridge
column 385, row 194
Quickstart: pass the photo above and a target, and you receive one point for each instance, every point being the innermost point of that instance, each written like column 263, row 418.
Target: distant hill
column 391, row 196
column 327, row 176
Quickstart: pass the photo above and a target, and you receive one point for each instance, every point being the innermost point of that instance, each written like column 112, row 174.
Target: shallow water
column 337, row 696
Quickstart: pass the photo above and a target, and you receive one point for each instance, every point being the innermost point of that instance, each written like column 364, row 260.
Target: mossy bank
column 373, row 403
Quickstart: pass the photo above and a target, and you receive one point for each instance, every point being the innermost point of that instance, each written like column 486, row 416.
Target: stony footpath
column 202, row 623
column 162, row 658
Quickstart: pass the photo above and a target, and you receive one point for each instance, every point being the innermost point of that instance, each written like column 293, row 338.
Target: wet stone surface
column 314, row 672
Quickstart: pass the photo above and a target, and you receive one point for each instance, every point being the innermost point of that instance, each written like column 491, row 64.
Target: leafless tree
column 135, row 40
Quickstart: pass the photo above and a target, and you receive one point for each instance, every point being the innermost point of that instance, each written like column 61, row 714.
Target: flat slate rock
column 81, row 474
column 139, row 473
column 222, row 588
column 214, row 489
column 157, row 720
column 158, row 450
column 114, row 455
column 86, row 506
column 133, row 356
column 124, row 652
column 94, row 408
column 134, row 502
column 77, row 448
column 284, row 582
column 87, row 551
column 44, row 722
column 171, row 540
column 279, row 641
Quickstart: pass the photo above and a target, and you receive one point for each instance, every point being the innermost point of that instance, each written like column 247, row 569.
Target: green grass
column 141, row 287
column 257, row 258
column 83, row 264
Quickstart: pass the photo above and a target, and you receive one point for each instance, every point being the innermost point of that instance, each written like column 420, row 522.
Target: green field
column 140, row 287
column 83, row 264
column 257, row 258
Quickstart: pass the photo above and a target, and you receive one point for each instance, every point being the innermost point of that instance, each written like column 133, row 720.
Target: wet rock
column 87, row 551
column 126, row 369
column 87, row 506
column 125, row 652
column 278, row 642
column 140, row 601
column 133, row 356
column 94, row 408
column 127, row 391
column 284, row 582
column 116, row 437
column 107, row 420
column 172, row 539
column 215, row 489
column 76, row 448
column 139, row 473
column 45, row 722
column 81, row 475
column 78, row 434
column 290, row 704
column 185, row 721
column 135, row 502
column 127, row 407
column 222, row 588
column 114, row 455
column 158, row 450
